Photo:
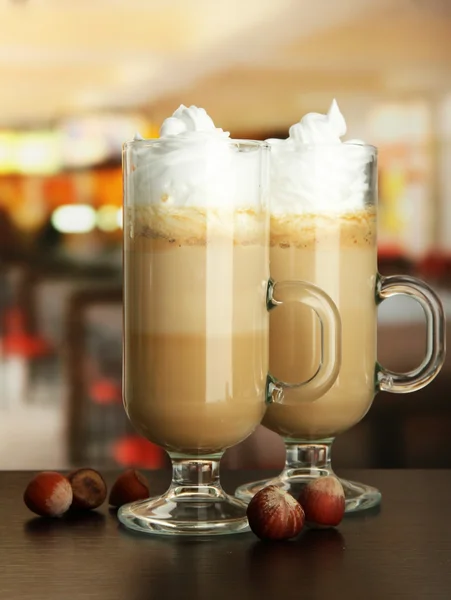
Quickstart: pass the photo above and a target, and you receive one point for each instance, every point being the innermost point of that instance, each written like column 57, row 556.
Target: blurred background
column 79, row 78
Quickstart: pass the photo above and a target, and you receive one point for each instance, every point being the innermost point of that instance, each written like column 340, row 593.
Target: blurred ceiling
column 250, row 63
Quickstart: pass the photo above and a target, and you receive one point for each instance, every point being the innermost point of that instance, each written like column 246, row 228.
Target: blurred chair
column 99, row 432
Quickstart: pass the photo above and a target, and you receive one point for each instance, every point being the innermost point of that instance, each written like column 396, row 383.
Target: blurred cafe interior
column 80, row 78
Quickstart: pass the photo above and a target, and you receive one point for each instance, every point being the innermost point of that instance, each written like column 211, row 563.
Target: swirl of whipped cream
column 315, row 128
column 313, row 171
column 193, row 164
column 189, row 119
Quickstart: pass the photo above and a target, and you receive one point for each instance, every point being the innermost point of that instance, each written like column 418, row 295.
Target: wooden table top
column 401, row 551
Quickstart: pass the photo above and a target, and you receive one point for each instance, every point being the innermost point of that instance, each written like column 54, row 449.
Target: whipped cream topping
column 316, row 128
column 192, row 164
column 185, row 120
column 313, row 171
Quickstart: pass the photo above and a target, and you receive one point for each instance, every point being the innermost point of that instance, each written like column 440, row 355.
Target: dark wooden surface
column 402, row 551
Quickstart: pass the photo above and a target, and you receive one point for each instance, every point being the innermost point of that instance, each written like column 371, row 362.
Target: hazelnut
column 49, row 494
column 88, row 488
column 128, row 487
column 275, row 515
column 323, row 501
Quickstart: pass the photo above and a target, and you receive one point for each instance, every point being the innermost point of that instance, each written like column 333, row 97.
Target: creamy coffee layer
column 338, row 254
column 196, row 326
column 196, row 394
column 206, row 284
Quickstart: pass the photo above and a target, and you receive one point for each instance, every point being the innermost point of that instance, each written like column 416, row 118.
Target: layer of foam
column 313, row 171
column 324, row 231
column 193, row 163
column 196, row 226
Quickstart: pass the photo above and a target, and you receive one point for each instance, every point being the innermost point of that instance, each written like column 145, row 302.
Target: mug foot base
column 189, row 515
column 358, row 496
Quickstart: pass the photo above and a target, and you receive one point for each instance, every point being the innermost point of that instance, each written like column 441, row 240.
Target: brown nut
column 88, row 487
column 49, row 494
column 275, row 515
column 323, row 501
column 128, row 487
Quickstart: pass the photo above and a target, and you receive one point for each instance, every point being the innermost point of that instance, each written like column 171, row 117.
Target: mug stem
column 306, row 461
column 195, row 476
column 195, row 503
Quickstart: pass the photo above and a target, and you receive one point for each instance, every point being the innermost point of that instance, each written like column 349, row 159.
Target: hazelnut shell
column 89, row 489
column 129, row 487
column 275, row 515
column 49, row 494
column 323, row 501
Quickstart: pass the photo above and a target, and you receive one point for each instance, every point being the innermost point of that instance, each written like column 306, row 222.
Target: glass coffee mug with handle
column 196, row 327
column 332, row 244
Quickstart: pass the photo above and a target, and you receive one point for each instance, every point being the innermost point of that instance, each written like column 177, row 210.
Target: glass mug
column 335, row 249
column 196, row 297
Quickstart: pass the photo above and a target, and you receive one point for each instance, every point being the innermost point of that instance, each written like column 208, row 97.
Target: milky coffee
column 196, row 326
column 338, row 254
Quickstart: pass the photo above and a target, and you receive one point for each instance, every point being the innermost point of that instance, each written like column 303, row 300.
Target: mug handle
column 281, row 292
column 402, row 383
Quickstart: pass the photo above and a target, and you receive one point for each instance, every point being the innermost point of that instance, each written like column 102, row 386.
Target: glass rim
column 237, row 143
column 340, row 145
